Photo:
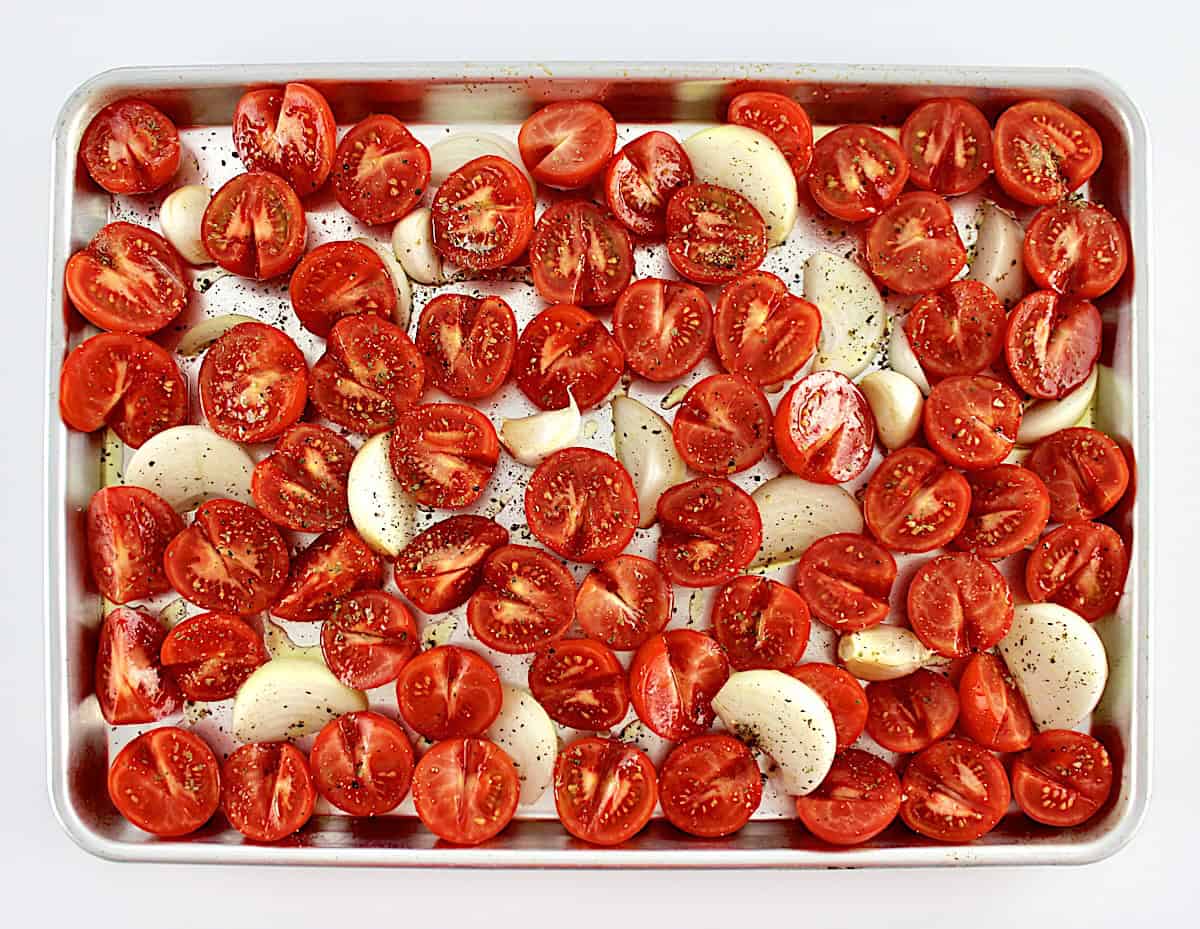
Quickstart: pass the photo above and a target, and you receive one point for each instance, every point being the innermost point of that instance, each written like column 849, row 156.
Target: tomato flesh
column 857, row 172
column 913, row 246
column 763, row 332
column 663, row 327
column 567, row 144
column 949, row 146
column 1077, row 249
column 362, row 763
column 448, row 692
column 483, row 214
column 443, row 454
column 166, row 782
column 914, row 503
column 465, row 790
column 210, row 655
column 911, row 712
column 468, row 344
column 128, row 529
column 858, row 799
column 254, row 226
column 993, row 712
column 760, row 623
column 1063, row 779
column 380, row 172
column 441, row 567
column 824, row 428
column 1052, row 343
column 368, row 638
column 1080, row 565
column 566, row 351
column 604, row 790
column 525, row 601
column 580, row 683
column 289, row 131
column 581, row 503
column 1044, row 151
column 335, row 565
column 846, row 580
column 624, row 601
column 714, row 235
column 130, row 147
column 710, row 786
column 954, row 791
column 640, row 180
column 711, row 530
column 131, row 684
column 959, row 603
column 579, row 255
column 1084, row 471
column 673, row 679
column 723, row 425
column 267, row 790
column 302, row 484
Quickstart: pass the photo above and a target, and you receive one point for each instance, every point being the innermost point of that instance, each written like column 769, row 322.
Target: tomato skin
column 166, row 782
column 1080, row 565
column 448, row 693
column 1010, row 507
column 958, row 330
column 899, row 485
column 782, row 120
column 425, row 440
column 441, row 782
column 939, row 802
column 1063, row 779
column 723, row 425
column 993, row 712
column 249, row 204
column 760, row 623
column 340, row 279
column 714, row 234
column 911, row 712
column 131, row 685
column 604, row 790
column 1044, row 151
column 579, row 255
column 972, row 421
column 824, row 428
column 1084, row 471
column 710, row 786
column 525, row 601
column 948, row 143
column 857, row 172
column 128, row 529
column 441, row 567
column 763, row 332
column 858, row 799
column 580, row 683
column 623, row 601
column 302, row 484
column 368, row 638
column 483, row 214
column 209, row 656
column 672, row 681
column 1076, row 248
column 844, row 695
column 913, row 246
column 267, row 790
column 362, row 763
column 335, row 565
column 846, row 580
column 289, row 131
column 663, row 327
column 253, row 383
column 1052, row 343
column 148, row 144
column 468, row 344
column 710, row 531
column 581, row 504
column 566, row 351
column 396, row 173
column 641, row 179
column 958, row 604
column 567, row 144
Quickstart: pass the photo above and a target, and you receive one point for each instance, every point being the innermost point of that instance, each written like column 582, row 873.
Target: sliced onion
column 412, row 244
column 187, row 465
column 998, row 260
column 454, row 151
column 901, row 357
column 204, row 333
column 527, row 733
column 795, row 513
column 180, row 217
column 404, row 296
column 532, row 439
column 287, row 698
column 853, row 316
column 644, row 445
column 1045, row 417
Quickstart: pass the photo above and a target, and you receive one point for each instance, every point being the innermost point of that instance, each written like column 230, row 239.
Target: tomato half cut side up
column 710, row 786
column 335, row 565
column 972, row 420
column 1063, row 779
column 368, row 638
column 443, row 454
column 911, row 712
column 565, row 351
column 267, row 790
column 380, row 172
column 992, row 711
column 663, row 327
column 958, row 330
column 581, row 503
column 567, row 144
column 624, row 601
column 254, row 226
column 483, row 214
column 579, row 255
column 340, row 279
column 913, row 246
column 723, row 425
column 959, row 604
column 640, row 180
column 764, row 332
column 1084, row 471
column 760, row 623
column 289, row 131
column 954, row 791
column 466, row 790
column 846, row 580
column 166, row 782
column 858, row 799
column 1076, row 248
column 130, row 147
column 604, row 790
column 128, row 529
column 448, row 692
column 842, row 693
column 914, row 503
column 1010, row 507
column 1080, row 565
column 714, row 235
column 468, row 344
column 1043, row 151
column 948, row 143
column 302, row 484
column 580, row 683
column 441, row 567
column 362, row 763
column 710, row 531
column 131, row 684
column 525, row 601
column 782, row 120
column 857, row 172
column 1052, row 343
column 210, row 655
column 672, row 681
column 824, row 428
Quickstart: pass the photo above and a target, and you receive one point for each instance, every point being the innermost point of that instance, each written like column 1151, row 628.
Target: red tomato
column 1052, row 343
column 567, row 144
column 254, row 226
column 911, row 712
column 824, row 428
column 288, row 131
column 253, row 383
column 440, row 568
column 723, row 425
column 958, row 604
column 166, row 782
column 710, row 786
column 914, row 503
column 483, row 214
column 128, row 529
column 763, row 332
column 713, row 234
column 340, row 279
column 913, row 246
column 231, row 559
column 1044, row 151
column 972, row 420
column 448, row 693
column 993, row 712
column 1063, row 778
column 362, row 763
column 1076, row 248
column 580, row 683
column 579, row 255
column 525, row 601
column 948, row 143
column 335, row 565
column 760, row 623
column 710, row 530
column 857, row 172
column 302, row 484
column 368, row 638
column 624, row 601
column 210, row 655
column 380, row 172
column 267, row 790
column 1009, row 510
column 370, row 372
column 672, row 681
column 604, row 790
column 1080, row 565
column 842, row 693
column 466, row 790
column 663, row 327
column 566, row 349
column 858, row 799
column 641, row 179
column 954, row 791
column 581, row 504
column 846, row 580
column 468, row 344
column 443, row 454
column 130, row 147
column 958, row 330
column 130, row 682
column 782, row 120
column 1084, row 472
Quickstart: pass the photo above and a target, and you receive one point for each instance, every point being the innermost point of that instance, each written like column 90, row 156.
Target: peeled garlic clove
column 795, row 513
column 646, row 449
column 454, row 151
column 902, row 359
column 1045, row 417
column 180, row 216
column 404, row 297
column 896, row 403
column 883, row 653
column 999, row 251
column 412, row 244
column 533, row 439
column 852, row 313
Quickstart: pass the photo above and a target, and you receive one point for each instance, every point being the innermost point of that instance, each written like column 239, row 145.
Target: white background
column 50, row 46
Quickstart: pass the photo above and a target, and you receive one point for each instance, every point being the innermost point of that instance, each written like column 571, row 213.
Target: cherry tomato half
column 335, row 565
column 448, row 692
column 972, row 420
column 604, row 790
column 711, row 530
column 443, row 454
column 949, row 146
column 1080, row 565
column 911, row 712
column 289, row 131
column 441, row 567
column 782, row 120
column 130, row 147
column 483, row 214
column 640, row 180
column 842, row 693
column 714, row 234
column 858, row 799
column 362, row 763
column 579, row 255
column 1083, row 470
column 131, row 684
column 302, row 484
column 1063, row 779
column 992, row 710
column 913, row 246
column 368, row 638
column 380, row 172
column 624, row 601
column 581, row 503
column 1052, row 344
column 580, row 683
column 663, row 327
column 760, row 623
column 958, row 330
column 468, row 344
column 723, row 425
column 1076, row 248
column 763, row 332
column 846, row 580
column 959, row 603
column 166, row 782
column 525, row 601
column 857, row 172
column 673, row 679
column 253, row 383
column 824, row 428
column 210, row 655
column 254, row 226
column 567, row 144
column 267, row 790
column 914, row 503
column 954, row 791
column 710, row 785
column 128, row 529
column 465, row 790
column 340, row 279
column 565, row 349
column 1009, row 509
column 1044, row 151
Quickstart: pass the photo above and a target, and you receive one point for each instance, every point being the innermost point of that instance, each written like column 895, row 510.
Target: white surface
column 49, row 48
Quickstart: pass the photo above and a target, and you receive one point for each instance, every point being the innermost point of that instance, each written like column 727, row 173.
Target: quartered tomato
column 624, row 601
column 443, row 454
column 782, row 120
column 441, row 567
column 913, row 246
column 992, row 710
column 335, row 565
column 664, row 327
column 604, row 790
column 368, row 637
column 465, row 790
column 1076, row 248
column 958, row 604
column 130, row 147
column 380, row 171
column 579, row 255
column 340, row 279
column 723, row 425
column 468, row 344
column 1044, row 151
column 166, row 782
column 857, row 172
column 641, row 179
column 713, row 234
column 911, row 712
column 483, row 214
column 253, row 383
column 128, row 529
column 209, row 656
column 824, row 428
column 370, row 372
column 763, row 332
column 858, row 799
column 672, row 681
column 581, row 503
column 842, row 693
column 267, row 790
column 948, row 143
column 1080, row 565
column 760, row 623
column 567, row 349
column 846, row 580
column 302, row 484
column 567, row 144
column 914, row 503
column 1009, row 509
column 958, row 330
column 525, row 601
column 1083, row 470
column 1063, row 779
column 231, row 559
column 254, row 226
column 710, row 530
column 288, row 131
column 1052, row 343
column 972, row 420
column 131, row 684
column 362, row 763
column 448, row 693
column 710, row 786
column 954, row 791
column 580, row 683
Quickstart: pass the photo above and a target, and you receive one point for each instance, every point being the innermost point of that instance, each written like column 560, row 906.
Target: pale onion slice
column 746, row 161
column 853, row 316
column 1046, row 417
column 180, row 217
column 384, row 515
column 280, row 645
column 1114, row 402
column 412, row 244
column 787, row 719
column 404, row 295
column 902, row 359
column 795, row 513
column 896, row 403
column 204, row 333
column 527, row 733
column 883, row 653
column 532, row 439
column 998, row 260
column 287, row 698
column 454, row 151
column 644, row 446
column 187, row 465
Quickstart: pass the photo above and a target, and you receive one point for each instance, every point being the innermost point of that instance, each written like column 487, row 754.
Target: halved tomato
column 948, row 143
column 128, row 529
column 441, row 567
column 340, row 279
column 1076, row 248
column 253, row 383
column 254, row 226
column 525, row 601
column 1044, row 151
column 914, row 503
column 483, row 214
column 958, row 330
column 131, row 684
column 672, row 681
column 624, row 601
column 713, row 234
column 580, row 683
column 604, row 790
column 130, row 147
column 1052, row 343
column 567, row 349
column 380, row 171
column 857, row 172
column 842, row 693
column 1009, row 509
column 581, row 503
column 858, row 799
column 1083, row 470
column 972, row 420
column 958, row 604
column 641, row 179
column 210, row 655
column 465, row 790
column 362, row 763
column 710, row 530
column 710, row 786
column 760, row 623
column 267, row 790
column 913, row 246
column 954, row 791
column 992, row 710
column 448, row 692
column 824, row 428
column 1063, row 779
column 302, row 484
column 335, row 565
column 1080, row 565
column 567, row 144
column 763, row 331
column 288, row 131
column 368, row 638
column 846, row 580
column 723, row 425
column 911, row 712
column 468, row 344
column 782, row 120
column 443, row 454
column 166, row 782
column 579, row 255
column 664, row 327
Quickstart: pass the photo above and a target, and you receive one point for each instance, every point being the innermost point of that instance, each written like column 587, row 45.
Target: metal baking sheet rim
column 1138, row 748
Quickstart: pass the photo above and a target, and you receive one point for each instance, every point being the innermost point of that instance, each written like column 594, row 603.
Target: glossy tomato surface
column 448, row 692
column 581, row 503
column 857, row 172
column 972, row 420
column 948, row 143
column 723, row 425
column 710, row 785
column 254, row 226
column 1052, row 343
column 333, row 566
column 302, row 484
column 288, row 131
column 443, row 454
column 959, row 604
column 166, row 782
column 580, row 255
column 267, row 790
column 824, row 428
column 913, row 246
column 483, row 214
column 1063, row 779
column 1009, row 509
column 441, row 567
column 130, row 147
column 362, row 763
column 1076, row 248
column 640, row 180
column 604, row 790
column 911, row 712
column 567, row 144
column 710, row 531
column 380, row 172
column 566, row 351
column 992, row 711
column 914, row 503
column 210, row 655
column 673, row 679
column 468, row 344
column 253, row 383
column 764, row 332
column 958, row 330
column 465, row 790
column 663, row 327
column 1084, row 471
column 128, row 529
column 846, row 580
column 842, row 693
column 858, row 799
column 954, row 791
column 623, row 601
column 525, row 601
column 1080, row 565
column 131, row 685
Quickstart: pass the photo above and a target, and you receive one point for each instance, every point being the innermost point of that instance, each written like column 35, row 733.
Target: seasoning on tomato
column 443, row 454
column 210, row 655
column 567, row 349
column 525, row 601
column 441, row 567
column 465, row 791
column 1084, row 472
column 723, row 425
column 468, row 344
column 1052, row 343
column 992, row 710
column 1063, row 778
column 448, row 692
column 824, row 428
column 764, row 332
column 972, row 420
column 380, row 171
column 958, row 330
column 267, row 790
column 482, row 214
column 580, row 683
column 130, row 147
column 673, row 679
column 166, row 782
column 912, row 712
column 1076, row 248
column 954, row 791
column 949, row 146
column 641, row 179
column 362, row 763
column 335, row 565
column 302, row 484
column 289, row 131
column 714, row 234
column 368, row 638
column 1044, row 151
column 253, row 383
column 858, row 799
column 857, row 172
column 914, row 503
column 128, row 529
column 710, row 531
column 587, row 774
column 1010, row 507
column 710, row 785
column 842, row 693
column 623, row 601
column 581, row 503
column 579, row 255
column 254, row 226
column 760, row 623
column 846, row 580
column 663, row 327
column 913, row 246
column 131, row 684
column 959, row 604
column 1080, row 565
